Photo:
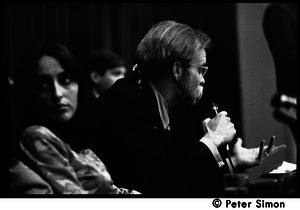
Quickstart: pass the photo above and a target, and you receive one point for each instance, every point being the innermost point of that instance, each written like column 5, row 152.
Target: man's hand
column 247, row 158
column 219, row 129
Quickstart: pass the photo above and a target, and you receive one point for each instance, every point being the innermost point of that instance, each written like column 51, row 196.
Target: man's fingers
column 223, row 113
column 273, row 149
column 239, row 142
column 204, row 123
column 270, row 146
column 260, row 153
column 206, row 120
column 277, row 149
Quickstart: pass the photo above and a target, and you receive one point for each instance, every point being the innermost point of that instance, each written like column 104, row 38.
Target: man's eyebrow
column 203, row 63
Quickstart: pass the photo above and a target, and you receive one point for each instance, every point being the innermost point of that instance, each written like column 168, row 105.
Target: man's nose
column 202, row 80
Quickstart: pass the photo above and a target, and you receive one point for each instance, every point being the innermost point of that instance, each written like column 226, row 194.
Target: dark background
column 83, row 27
column 241, row 77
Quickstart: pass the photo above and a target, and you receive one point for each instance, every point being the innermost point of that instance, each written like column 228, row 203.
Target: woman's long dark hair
column 74, row 130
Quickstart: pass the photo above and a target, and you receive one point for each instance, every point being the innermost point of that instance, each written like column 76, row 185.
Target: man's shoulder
column 126, row 90
column 124, row 84
column 122, row 87
column 126, row 98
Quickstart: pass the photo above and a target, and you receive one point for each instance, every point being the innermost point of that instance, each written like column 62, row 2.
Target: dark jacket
column 139, row 153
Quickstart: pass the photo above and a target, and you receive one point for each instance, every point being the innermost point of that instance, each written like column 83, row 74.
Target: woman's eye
column 116, row 73
column 66, row 79
column 42, row 85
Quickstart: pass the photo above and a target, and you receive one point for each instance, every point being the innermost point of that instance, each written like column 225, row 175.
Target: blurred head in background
column 104, row 68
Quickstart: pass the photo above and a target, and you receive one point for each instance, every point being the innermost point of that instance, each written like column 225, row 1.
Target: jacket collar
column 162, row 106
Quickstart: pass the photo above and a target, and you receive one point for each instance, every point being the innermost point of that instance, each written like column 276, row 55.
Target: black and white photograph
column 150, row 100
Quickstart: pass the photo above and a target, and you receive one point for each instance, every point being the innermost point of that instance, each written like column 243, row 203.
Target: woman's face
column 56, row 91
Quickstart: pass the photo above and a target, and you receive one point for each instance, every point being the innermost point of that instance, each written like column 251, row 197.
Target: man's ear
column 95, row 76
column 177, row 70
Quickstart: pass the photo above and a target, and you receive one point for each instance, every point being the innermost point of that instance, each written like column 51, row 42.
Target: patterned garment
column 66, row 171
column 23, row 180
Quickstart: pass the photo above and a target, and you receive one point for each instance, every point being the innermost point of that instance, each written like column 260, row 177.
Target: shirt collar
column 162, row 107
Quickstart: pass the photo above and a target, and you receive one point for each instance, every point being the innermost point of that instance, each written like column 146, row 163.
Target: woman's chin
column 63, row 118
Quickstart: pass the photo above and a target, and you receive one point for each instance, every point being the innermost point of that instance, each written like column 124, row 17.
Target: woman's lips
column 61, row 107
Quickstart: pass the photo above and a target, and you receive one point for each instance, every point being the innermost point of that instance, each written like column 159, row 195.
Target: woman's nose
column 58, row 90
column 119, row 77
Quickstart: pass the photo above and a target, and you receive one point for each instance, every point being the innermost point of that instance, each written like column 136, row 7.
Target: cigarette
column 215, row 107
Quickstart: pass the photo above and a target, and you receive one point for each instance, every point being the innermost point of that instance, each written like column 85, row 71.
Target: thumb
column 238, row 143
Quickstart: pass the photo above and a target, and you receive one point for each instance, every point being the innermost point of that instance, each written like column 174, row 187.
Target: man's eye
column 203, row 70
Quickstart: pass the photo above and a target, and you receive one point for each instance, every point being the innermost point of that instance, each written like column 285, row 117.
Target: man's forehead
column 200, row 56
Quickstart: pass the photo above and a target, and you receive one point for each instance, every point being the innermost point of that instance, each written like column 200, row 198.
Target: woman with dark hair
column 32, row 84
column 54, row 110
